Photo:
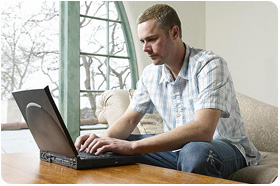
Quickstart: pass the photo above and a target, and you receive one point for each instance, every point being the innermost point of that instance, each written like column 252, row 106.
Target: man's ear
column 175, row 32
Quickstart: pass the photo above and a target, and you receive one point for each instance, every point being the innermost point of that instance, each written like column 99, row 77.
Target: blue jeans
column 218, row 158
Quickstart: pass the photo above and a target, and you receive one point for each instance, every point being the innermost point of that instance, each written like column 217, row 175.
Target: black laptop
column 52, row 137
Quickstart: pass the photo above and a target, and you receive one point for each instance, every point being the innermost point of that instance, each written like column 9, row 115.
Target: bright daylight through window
column 29, row 59
column 30, row 54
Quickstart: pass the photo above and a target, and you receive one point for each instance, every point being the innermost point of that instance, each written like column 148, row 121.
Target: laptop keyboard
column 84, row 155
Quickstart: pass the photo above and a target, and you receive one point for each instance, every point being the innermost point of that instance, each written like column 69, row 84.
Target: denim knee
column 200, row 158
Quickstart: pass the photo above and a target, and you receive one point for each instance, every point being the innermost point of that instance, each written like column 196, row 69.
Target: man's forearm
column 124, row 126
column 118, row 130
column 171, row 140
column 202, row 129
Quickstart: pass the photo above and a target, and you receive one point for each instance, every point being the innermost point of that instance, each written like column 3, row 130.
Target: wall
column 244, row 33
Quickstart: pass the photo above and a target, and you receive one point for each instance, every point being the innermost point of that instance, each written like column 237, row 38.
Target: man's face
column 155, row 42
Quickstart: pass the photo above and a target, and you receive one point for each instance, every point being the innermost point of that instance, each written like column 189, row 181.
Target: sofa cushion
column 111, row 105
column 264, row 173
column 261, row 122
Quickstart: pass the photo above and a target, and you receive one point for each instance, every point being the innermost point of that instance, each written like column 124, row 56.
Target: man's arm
column 201, row 129
column 121, row 129
column 124, row 126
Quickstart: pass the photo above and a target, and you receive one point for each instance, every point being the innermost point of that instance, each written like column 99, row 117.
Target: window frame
column 69, row 70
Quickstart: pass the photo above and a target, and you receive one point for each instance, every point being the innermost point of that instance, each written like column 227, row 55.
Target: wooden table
column 27, row 168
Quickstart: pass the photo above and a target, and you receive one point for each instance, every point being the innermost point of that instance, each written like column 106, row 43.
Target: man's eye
column 152, row 40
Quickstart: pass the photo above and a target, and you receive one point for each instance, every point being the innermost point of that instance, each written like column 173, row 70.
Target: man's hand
column 101, row 145
column 93, row 143
column 82, row 142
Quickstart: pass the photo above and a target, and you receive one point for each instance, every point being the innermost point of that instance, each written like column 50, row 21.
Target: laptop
column 52, row 137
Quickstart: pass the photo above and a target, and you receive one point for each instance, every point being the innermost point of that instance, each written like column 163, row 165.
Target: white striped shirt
column 204, row 81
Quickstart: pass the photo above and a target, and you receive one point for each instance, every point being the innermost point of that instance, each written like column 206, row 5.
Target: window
column 29, row 59
column 106, row 57
column 29, row 51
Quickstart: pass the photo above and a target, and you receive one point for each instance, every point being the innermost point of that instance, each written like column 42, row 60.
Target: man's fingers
column 88, row 141
column 82, row 142
column 98, row 143
column 102, row 149
column 91, row 146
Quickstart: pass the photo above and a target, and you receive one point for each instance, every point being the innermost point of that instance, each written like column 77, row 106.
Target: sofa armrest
column 261, row 122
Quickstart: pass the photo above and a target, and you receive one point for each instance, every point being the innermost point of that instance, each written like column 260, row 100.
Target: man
column 193, row 92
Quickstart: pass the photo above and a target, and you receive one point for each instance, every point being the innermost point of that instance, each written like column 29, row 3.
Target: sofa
column 261, row 123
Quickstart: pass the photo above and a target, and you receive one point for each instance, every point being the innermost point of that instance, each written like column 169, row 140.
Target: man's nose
column 146, row 47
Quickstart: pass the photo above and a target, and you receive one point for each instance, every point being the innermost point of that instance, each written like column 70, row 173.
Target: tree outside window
column 30, row 50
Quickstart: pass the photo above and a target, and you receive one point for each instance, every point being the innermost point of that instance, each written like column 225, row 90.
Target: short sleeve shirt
column 203, row 82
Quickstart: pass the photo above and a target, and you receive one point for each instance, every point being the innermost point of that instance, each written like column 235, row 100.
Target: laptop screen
column 44, row 121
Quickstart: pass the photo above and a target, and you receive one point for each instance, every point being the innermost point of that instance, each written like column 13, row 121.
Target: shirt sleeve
column 213, row 86
column 140, row 100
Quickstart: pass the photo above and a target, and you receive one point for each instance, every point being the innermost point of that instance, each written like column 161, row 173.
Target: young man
column 193, row 92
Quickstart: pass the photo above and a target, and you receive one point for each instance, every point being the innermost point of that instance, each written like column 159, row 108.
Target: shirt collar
column 166, row 74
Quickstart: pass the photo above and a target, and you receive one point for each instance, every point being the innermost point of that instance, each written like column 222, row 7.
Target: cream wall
column 244, row 33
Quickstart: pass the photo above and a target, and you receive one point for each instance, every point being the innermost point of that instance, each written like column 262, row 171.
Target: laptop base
column 88, row 163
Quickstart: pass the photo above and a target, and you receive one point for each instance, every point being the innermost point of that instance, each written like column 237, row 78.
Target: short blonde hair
column 165, row 16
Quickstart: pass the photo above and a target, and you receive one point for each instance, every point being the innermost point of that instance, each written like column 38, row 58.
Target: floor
column 16, row 141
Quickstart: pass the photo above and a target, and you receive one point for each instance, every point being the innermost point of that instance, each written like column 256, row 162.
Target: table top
column 27, row 168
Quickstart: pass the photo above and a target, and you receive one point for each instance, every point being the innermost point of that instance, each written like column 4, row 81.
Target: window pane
column 113, row 13
column 93, row 36
column 92, row 73
column 120, row 77
column 93, row 8
column 117, row 41
column 88, row 107
column 29, row 51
